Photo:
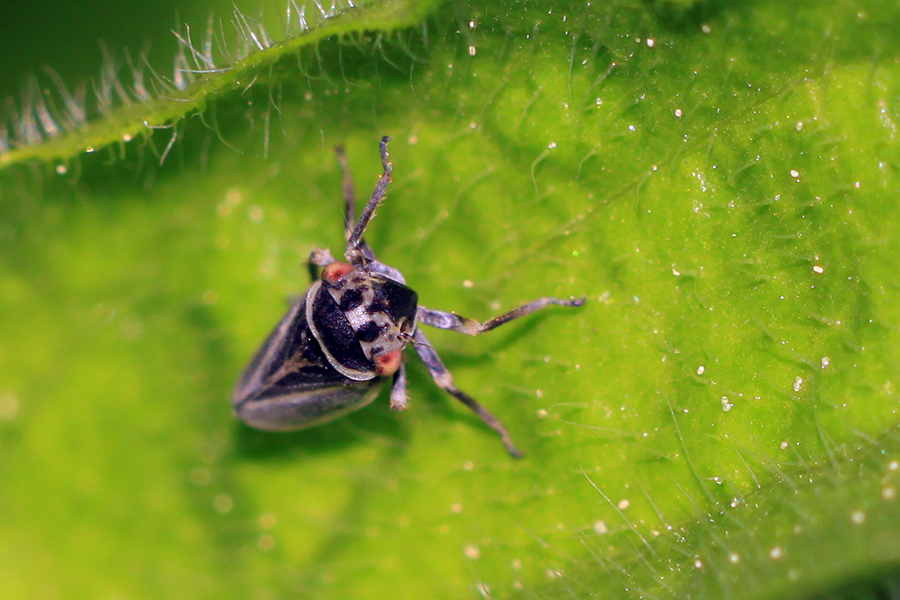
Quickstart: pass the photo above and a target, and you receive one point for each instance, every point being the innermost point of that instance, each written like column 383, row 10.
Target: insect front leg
column 398, row 390
column 318, row 258
column 454, row 322
column 444, row 380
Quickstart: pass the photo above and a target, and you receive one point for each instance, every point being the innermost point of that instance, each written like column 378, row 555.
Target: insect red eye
column 387, row 364
column 335, row 271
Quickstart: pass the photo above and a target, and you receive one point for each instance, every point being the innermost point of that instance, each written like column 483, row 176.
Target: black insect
column 331, row 351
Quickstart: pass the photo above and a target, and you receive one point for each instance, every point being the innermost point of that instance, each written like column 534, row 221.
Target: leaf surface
column 719, row 420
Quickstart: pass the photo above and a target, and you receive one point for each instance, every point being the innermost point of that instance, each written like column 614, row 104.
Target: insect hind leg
column 444, row 380
column 357, row 250
column 349, row 192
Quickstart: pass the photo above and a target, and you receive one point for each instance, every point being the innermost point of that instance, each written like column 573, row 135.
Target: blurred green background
column 720, row 420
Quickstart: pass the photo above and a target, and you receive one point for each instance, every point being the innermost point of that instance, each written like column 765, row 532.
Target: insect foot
column 338, row 342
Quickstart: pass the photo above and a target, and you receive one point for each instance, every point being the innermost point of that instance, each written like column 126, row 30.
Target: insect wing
column 289, row 383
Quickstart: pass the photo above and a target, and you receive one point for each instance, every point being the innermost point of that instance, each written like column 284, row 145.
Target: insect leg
column 386, row 270
column 444, row 380
column 318, row 258
column 454, row 322
column 398, row 389
column 355, row 243
column 349, row 193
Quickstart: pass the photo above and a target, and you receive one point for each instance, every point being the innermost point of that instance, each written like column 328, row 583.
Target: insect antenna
column 410, row 338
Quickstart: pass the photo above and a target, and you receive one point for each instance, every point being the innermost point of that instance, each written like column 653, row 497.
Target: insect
column 335, row 346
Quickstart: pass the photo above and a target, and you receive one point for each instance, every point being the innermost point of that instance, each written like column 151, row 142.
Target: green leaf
column 719, row 420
